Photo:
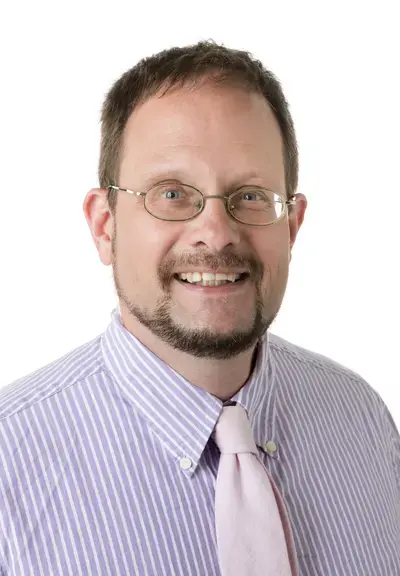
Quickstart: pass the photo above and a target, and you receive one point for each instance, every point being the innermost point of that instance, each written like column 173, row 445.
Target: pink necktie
column 254, row 537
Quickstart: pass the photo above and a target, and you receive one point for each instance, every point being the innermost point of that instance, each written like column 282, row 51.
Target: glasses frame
column 143, row 195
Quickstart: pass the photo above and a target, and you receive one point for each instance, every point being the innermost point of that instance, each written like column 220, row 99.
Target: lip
column 232, row 288
column 213, row 271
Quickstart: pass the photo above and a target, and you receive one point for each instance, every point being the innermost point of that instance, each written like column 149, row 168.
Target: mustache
column 223, row 259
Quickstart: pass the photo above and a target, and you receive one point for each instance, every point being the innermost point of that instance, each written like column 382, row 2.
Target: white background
column 339, row 65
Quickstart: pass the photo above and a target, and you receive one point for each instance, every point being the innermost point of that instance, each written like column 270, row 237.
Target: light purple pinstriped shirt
column 107, row 466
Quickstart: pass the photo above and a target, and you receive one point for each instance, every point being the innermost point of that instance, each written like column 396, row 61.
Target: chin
column 219, row 327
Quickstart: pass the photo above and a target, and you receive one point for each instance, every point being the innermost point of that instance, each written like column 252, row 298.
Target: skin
column 216, row 138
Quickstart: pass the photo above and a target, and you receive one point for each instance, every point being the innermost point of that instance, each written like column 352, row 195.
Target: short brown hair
column 177, row 67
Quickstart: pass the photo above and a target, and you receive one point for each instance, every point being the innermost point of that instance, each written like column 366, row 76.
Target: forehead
column 210, row 129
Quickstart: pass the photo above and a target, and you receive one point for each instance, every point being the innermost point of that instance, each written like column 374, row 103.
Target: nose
column 214, row 227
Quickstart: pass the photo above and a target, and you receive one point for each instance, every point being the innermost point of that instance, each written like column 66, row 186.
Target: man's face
column 216, row 139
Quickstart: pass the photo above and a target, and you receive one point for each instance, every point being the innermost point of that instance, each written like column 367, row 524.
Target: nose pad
column 218, row 215
column 217, row 228
column 221, row 207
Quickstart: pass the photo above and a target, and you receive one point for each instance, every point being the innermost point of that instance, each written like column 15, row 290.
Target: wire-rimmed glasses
column 175, row 202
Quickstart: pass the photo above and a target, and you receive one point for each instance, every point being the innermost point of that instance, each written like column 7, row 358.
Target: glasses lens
column 172, row 201
column 256, row 206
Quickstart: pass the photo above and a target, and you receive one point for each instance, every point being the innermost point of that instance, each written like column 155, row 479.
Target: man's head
column 213, row 119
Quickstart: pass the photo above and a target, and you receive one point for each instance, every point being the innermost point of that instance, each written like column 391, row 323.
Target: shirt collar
column 180, row 414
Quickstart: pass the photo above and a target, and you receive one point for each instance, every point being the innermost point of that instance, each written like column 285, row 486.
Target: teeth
column 208, row 278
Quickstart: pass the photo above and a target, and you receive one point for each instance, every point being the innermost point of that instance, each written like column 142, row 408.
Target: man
column 110, row 460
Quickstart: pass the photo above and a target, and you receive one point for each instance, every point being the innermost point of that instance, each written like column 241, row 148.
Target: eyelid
column 176, row 182
column 248, row 188
column 253, row 186
column 166, row 182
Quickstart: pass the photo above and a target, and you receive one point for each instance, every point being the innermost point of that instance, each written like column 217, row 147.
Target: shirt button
column 185, row 463
column 270, row 447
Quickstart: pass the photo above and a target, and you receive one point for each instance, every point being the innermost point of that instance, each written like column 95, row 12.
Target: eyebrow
column 162, row 174
column 155, row 176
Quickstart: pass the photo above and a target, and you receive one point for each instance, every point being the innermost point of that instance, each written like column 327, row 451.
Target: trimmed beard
column 200, row 342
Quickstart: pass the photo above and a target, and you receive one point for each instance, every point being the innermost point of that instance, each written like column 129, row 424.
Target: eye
column 172, row 194
column 253, row 196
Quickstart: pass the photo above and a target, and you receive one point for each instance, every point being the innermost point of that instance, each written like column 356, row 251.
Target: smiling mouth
column 206, row 279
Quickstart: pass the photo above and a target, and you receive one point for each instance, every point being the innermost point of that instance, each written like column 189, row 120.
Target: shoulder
column 302, row 371
column 51, row 379
column 312, row 367
column 330, row 384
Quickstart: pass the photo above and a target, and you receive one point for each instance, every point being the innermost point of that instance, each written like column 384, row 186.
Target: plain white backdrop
column 338, row 63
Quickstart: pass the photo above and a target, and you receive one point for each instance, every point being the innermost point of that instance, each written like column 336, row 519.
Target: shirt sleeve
column 392, row 433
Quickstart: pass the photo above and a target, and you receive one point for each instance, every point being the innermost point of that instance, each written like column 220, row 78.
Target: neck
column 222, row 378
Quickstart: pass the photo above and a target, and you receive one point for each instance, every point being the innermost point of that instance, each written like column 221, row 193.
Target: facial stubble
column 199, row 342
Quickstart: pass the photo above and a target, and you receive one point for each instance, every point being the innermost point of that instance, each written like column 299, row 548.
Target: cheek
column 274, row 254
column 272, row 245
column 142, row 245
column 275, row 274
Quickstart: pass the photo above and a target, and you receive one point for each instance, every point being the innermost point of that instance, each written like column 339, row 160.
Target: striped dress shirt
column 107, row 465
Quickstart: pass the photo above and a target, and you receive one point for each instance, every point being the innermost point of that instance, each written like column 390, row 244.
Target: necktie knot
column 252, row 526
column 233, row 433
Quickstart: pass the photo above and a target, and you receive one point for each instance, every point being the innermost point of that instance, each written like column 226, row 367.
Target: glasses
column 171, row 201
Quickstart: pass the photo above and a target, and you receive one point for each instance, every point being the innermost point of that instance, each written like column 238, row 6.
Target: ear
column 296, row 218
column 100, row 221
